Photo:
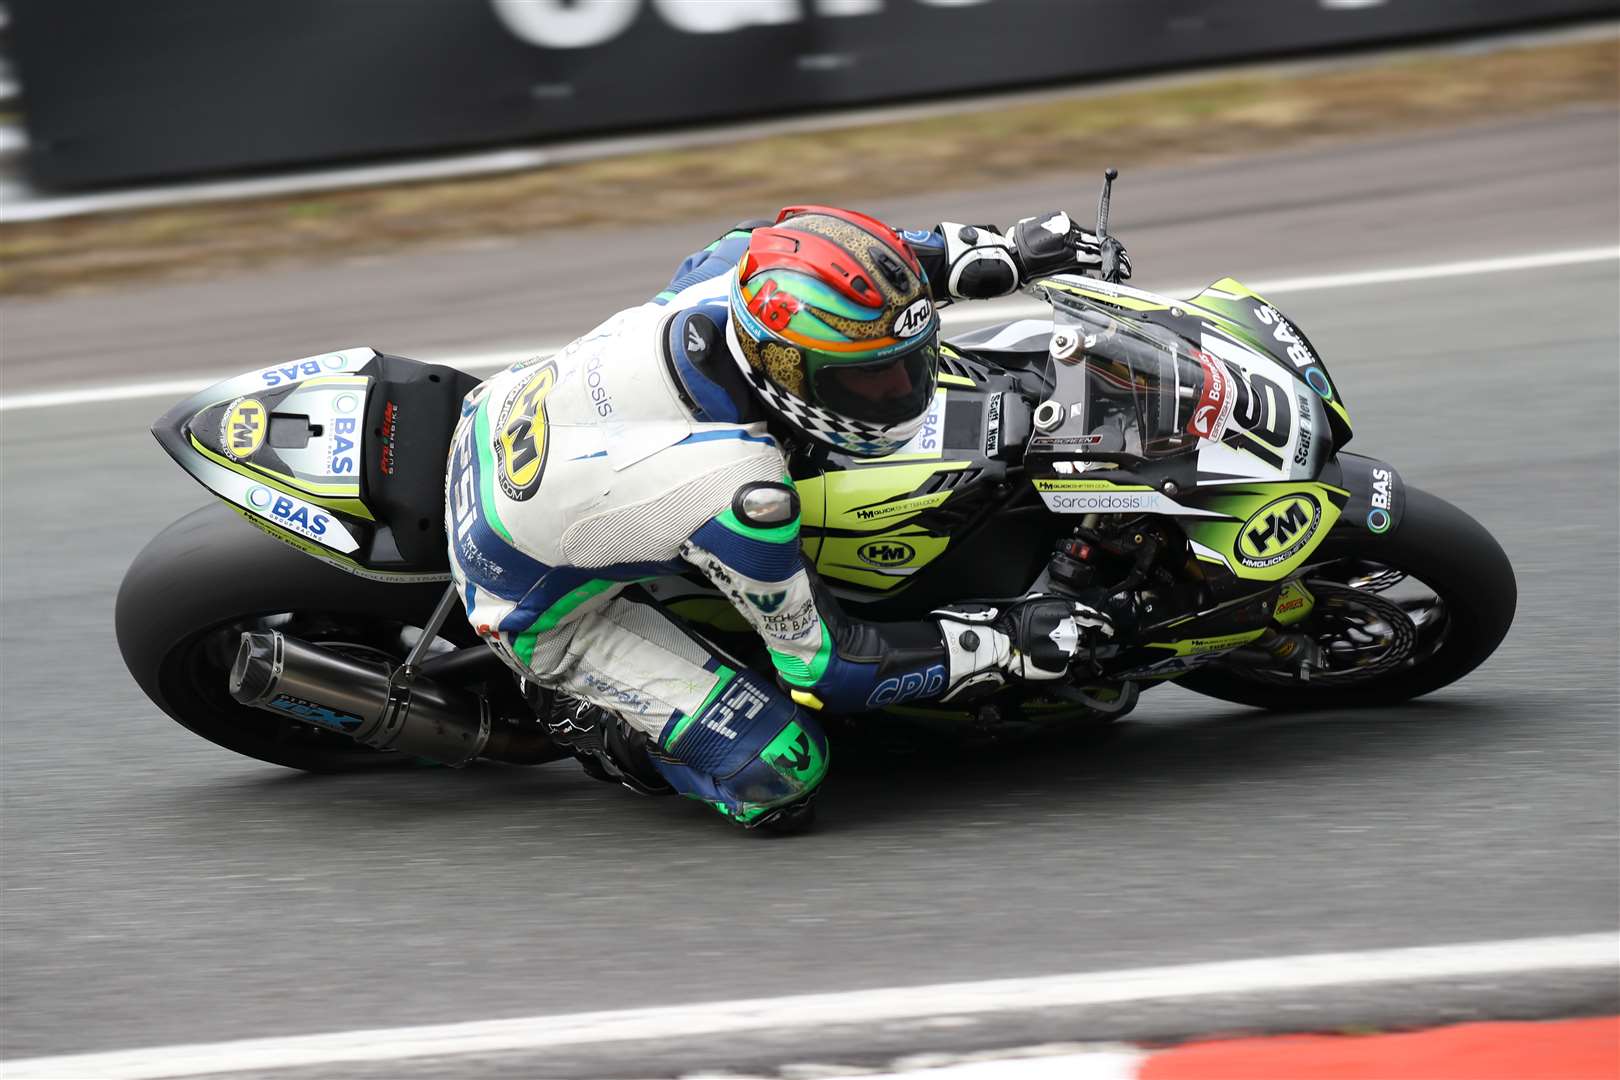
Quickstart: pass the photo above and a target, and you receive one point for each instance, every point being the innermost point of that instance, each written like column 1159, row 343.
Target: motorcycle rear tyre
column 211, row 569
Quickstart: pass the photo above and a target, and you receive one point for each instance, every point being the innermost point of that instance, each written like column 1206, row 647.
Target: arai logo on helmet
column 915, row 319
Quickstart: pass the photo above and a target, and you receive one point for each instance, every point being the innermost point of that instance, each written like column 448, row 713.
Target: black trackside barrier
column 118, row 90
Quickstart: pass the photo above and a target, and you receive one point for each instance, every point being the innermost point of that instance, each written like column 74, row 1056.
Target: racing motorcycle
column 1180, row 464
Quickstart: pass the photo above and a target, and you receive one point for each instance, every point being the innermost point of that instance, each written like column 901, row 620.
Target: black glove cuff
column 1045, row 243
column 1031, row 625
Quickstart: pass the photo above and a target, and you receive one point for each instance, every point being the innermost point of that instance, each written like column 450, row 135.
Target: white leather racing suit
column 636, row 454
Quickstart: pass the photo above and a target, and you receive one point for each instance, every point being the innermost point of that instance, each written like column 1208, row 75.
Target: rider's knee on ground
column 747, row 752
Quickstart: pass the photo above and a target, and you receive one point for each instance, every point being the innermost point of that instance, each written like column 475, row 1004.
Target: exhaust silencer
column 366, row 700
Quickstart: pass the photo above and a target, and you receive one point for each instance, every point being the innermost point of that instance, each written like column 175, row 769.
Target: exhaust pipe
column 365, row 700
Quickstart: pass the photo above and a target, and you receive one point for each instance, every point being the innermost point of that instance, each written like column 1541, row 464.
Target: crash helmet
column 833, row 326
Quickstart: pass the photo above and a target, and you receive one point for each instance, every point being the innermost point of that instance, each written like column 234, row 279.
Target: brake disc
column 1361, row 637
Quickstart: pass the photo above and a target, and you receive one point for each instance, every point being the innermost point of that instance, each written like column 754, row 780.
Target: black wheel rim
column 1371, row 619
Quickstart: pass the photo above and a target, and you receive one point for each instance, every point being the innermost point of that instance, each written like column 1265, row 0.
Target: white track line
column 861, row 1008
column 178, row 385
column 1095, row 1062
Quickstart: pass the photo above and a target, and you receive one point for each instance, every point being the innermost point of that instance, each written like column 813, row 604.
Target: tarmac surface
column 159, row 890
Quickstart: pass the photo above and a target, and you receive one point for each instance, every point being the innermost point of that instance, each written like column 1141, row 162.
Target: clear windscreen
column 1134, row 389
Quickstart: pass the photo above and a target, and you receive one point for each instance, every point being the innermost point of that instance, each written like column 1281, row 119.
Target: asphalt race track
column 159, row 890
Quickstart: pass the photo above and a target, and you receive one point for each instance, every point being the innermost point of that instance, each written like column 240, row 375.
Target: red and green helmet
column 833, row 325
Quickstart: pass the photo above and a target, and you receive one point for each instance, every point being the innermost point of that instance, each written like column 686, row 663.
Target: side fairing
column 1254, row 416
column 1247, row 317
column 1229, row 431
column 1264, row 532
column 873, row 524
column 1273, row 411
column 1266, row 426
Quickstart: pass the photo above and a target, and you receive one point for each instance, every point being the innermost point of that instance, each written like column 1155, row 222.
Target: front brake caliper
column 1294, row 602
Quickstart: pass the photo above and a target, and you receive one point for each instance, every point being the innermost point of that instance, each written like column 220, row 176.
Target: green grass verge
column 1221, row 116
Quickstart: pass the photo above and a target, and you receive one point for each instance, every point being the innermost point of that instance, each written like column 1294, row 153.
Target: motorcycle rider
column 656, row 445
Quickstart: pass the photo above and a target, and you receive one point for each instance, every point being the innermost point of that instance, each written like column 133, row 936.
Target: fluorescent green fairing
column 1269, row 530
column 1294, row 602
column 1228, row 315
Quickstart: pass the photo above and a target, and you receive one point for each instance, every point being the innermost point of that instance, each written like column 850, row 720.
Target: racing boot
column 604, row 745
column 795, row 817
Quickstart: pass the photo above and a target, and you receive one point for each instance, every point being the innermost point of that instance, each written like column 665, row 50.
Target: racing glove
column 1034, row 639
column 982, row 263
column 1053, row 243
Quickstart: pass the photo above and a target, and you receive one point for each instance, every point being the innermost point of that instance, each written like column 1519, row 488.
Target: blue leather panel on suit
column 735, row 727
column 705, row 265
column 714, row 404
column 757, row 559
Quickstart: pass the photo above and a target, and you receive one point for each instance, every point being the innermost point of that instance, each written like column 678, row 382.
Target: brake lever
column 1108, row 247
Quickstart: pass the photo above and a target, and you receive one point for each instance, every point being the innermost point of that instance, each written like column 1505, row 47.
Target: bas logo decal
column 1298, row 351
column 886, row 553
column 1278, row 531
column 520, row 443
column 299, row 370
column 1383, row 482
column 291, row 514
column 343, row 448
column 243, row 430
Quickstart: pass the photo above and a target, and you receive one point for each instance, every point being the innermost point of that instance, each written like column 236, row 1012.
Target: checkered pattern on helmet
column 851, row 436
column 746, row 335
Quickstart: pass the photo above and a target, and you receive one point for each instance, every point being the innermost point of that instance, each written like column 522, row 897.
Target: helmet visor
column 880, row 392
